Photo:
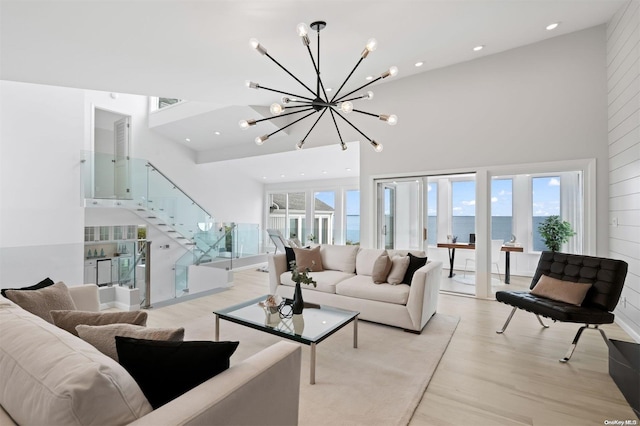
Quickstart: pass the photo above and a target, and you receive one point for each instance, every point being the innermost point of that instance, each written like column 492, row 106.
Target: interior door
column 386, row 215
column 121, row 159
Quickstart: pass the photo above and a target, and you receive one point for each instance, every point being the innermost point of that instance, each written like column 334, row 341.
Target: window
column 165, row 102
column 502, row 209
column 463, row 209
column 323, row 210
column 352, row 219
column 545, row 202
column 287, row 214
column 432, row 213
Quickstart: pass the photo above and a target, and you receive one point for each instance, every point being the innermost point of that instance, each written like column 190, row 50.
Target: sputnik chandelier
column 320, row 101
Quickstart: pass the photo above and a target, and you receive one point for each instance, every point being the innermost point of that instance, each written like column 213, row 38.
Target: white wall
column 539, row 103
column 623, row 77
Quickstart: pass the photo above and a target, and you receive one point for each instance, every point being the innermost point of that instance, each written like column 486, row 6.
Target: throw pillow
column 398, row 269
column 68, row 320
column 381, row 269
column 561, row 291
column 103, row 337
column 166, row 370
column 309, row 258
column 291, row 257
column 41, row 302
column 415, row 263
column 42, row 284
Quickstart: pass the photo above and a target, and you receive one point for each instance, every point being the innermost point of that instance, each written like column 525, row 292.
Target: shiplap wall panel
column 623, row 81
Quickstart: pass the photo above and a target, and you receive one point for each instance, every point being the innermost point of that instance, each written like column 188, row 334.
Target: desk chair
column 496, row 247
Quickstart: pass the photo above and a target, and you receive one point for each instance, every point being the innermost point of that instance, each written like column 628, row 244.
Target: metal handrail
column 215, row 244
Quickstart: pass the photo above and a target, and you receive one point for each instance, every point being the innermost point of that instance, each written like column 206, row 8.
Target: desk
column 507, row 249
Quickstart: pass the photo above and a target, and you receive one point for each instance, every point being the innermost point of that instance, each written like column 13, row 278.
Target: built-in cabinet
column 109, row 253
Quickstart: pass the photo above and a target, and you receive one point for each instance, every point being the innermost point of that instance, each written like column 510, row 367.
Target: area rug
column 379, row 383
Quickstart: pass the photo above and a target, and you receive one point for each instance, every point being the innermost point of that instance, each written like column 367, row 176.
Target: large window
column 502, row 209
column 323, row 220
column 352, row 218
column 545, row 202
column 287, row 214
column 463, row 209
column 432, row 213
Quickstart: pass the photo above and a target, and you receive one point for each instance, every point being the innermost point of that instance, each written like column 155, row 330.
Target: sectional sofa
column 346, row 282
column 50, row 377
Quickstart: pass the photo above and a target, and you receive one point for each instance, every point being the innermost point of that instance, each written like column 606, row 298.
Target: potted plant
column 299, row 276
column 555, row 232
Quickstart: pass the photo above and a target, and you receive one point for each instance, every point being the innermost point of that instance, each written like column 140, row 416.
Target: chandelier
column 319, row 101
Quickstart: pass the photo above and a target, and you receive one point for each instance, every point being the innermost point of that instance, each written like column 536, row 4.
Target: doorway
column 111, row 146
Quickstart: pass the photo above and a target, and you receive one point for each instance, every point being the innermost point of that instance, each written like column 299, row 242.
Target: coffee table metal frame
column 247, row 314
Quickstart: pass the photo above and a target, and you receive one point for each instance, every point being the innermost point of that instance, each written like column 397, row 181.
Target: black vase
column 298, row 303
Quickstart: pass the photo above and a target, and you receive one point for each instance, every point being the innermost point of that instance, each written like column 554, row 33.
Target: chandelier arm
column 289, row 72
column 346, row 79
column 359, row 88
column 354, row 99
column 351, row 124
column 284, row 115
column 335, row 123
column 367, row 113
column 284, row 93
column 314, row 125
column 294, row 122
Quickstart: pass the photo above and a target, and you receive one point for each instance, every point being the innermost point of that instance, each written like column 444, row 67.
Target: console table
column 466, row 246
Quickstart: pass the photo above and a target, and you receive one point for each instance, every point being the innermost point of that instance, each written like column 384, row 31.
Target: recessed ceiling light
column 282, row 175
column 216, row 133
column 348, row 169
column 419, row 64
column 369, row 77
column 188, row 140
column 552, row 26
column 264, row 177
column 302, row 174
column 324, row 172
column 478, row 48
column 328, row 89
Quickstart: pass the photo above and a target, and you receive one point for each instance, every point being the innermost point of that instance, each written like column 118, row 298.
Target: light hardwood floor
column 484, row 378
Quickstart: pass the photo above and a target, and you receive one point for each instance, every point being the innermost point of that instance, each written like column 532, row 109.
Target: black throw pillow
column 42, row 284
column 415, row 263
column 291, row 257
column 165, row 370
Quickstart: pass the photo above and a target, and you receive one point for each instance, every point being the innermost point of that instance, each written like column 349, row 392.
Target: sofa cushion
column 68, row 320
column 561, row 291
column 381, row 269
column 395, row 252
column 326, row 280
column 415, row 263
column 339, row 258
column 42, row 284
column 103, row 337
column 53, row 378
column 309, row 258
column 398, row 269
column 363, row 287
column 366, row 259
column 40, row 302
column 165, row 370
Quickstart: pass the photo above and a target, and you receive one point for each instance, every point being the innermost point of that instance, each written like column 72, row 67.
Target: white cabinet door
column 104, row 271
column 90, row 272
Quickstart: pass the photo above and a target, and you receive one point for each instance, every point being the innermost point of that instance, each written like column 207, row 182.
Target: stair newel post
column 147, row 276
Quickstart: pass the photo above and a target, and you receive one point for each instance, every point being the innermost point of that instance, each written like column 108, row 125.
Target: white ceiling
column 199, row 50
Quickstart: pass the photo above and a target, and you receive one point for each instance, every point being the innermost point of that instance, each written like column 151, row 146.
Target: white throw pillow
column 366, row 259
column 339, row 258
column 398, row 269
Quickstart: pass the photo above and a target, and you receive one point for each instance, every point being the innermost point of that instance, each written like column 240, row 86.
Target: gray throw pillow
column 103, row 337
column 381, row 269
column 68, row 320
column 41, row 302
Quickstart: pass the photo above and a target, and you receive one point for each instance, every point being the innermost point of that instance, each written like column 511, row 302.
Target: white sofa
column 346, row 283
column 48, row 376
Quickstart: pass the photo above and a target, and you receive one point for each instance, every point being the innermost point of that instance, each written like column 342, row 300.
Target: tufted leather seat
column 606, row 276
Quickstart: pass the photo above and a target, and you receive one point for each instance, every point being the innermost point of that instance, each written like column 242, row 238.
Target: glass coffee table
column 315, row 324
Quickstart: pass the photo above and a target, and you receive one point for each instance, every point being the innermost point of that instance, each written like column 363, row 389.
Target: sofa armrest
column 277, row 264
column 86, row 297
column 261, row 390
column 423, row 295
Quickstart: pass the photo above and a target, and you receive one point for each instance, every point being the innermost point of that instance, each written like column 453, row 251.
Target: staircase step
column 151, row 217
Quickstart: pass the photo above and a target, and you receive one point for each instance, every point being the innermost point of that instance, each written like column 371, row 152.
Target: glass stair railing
column 138, row 185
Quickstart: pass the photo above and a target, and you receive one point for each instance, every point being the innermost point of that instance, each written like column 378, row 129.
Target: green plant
column 301, row 276
column 555, row 232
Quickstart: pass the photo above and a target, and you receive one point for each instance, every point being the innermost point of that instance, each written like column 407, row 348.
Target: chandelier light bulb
column 393, row 120
column 260, row 139
column 256, row 45
column 299, row 145
column 276, row 109
column 346, row 107
column 377, row 147
column 393, row 71
column 372, row 44
column 302, row 29
column 245, row 124
column 369, row 95
column 251, row 85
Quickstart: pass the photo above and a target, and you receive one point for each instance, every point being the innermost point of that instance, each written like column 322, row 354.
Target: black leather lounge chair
column 606, row 276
